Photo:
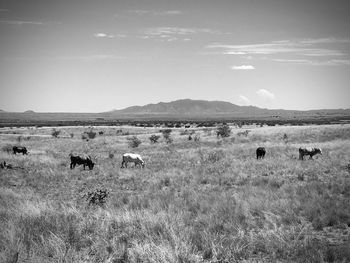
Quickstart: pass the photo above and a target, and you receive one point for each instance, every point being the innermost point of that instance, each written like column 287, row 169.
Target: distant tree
column 223, row 131
column 134, row 142
column 154, row 138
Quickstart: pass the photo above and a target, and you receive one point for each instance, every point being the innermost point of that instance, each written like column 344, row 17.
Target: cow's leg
column 122, row 164
column 84, row 165
column 71, row 165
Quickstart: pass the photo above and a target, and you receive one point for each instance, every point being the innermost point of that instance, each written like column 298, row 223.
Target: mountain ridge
column 188, row 107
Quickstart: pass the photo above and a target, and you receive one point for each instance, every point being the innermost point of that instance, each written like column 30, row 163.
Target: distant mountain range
column 188, row 107
column 185, row 109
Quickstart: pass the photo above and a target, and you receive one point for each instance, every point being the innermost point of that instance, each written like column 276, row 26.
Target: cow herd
column 86, row 160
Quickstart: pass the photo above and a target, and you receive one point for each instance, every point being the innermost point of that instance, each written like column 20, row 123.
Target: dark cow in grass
column 308, row 151
column 84, row 160
column 19, row 149
column 260, row 153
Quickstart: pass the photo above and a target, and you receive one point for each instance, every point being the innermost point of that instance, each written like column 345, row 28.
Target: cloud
column 331, row 62
column 19, row 22
column 156, row 13
column 243, row 67
column 103, row 35
column 265, row 94
column 320, row 51
column 180, row 33
column 243, row 100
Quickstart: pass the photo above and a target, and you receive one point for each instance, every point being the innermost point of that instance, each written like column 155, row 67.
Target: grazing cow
column 4, row 165
column 133, row 158
column 260, row 153
column 84, row 160
column 19, row 149
column 308, row 151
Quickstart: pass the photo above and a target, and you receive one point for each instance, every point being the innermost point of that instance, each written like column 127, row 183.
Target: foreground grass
column 206, row 201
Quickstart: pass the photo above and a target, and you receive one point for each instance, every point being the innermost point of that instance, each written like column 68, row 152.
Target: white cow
column 133, row 158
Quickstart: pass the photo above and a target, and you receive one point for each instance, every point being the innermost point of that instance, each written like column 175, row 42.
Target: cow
column 308, row 151
column 133, row 158
column 19, row 149
column 4, row 165
column 260, row 153
column 84, row 160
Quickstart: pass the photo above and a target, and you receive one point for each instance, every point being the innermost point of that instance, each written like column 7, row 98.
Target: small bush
column 55, row 133
column 71, row 135
column 100, row 132
column 111, row 156
column 96, row 197
column 134, row 142
column 245, row 133
column 7, row 148
column 154, row 138
column 91, row 134
column 166, row 134
column 223, row 131
column 197, row 138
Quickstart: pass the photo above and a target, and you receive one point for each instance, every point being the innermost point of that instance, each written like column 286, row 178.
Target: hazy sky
column 99, row 55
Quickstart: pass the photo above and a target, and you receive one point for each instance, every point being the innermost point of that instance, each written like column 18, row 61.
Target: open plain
column 202, row 200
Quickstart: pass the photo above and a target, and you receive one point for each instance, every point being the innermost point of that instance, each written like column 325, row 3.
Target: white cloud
column 265, row 94
column 175, row 33
column 103, row 35
column 243, row 100
column 19, row 22
column 321, row 51
column 243, row 67
column 156, row 13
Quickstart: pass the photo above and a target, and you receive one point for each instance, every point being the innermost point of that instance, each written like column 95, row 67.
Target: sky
column 100, row 55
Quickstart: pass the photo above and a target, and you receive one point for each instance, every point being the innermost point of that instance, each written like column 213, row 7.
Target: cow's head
column 318, row 150
column 142, row 163
column 91, row 165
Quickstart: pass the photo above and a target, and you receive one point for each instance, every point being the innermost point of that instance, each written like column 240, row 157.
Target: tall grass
column 194, row 202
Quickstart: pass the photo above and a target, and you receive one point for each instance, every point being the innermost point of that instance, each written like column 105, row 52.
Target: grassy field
column 208, row 200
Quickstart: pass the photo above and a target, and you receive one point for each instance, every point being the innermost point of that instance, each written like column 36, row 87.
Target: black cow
column 4, row 165
column 260, row 153
column 78, row 160
column 308, row 151
column 19, row 149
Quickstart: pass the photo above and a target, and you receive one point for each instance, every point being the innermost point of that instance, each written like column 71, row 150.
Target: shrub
column 245, row 133
column 96, row 197
column 134, row 142
column 223, row 131
column 154, row 138
column 55, row 133
column 166, row 134
column 71, row 135
column 7, row 148
column 100, row 132
column 197, row 138
column 111, row 156
column 91, row 134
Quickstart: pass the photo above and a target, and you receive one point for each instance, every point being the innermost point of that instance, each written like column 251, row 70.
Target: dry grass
column 196, row 201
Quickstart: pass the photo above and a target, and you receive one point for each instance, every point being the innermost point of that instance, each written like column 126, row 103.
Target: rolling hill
column 179, row 110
